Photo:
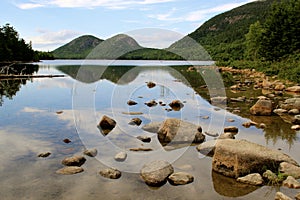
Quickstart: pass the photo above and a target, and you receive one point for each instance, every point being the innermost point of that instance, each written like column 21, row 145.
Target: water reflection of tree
column 10, row 87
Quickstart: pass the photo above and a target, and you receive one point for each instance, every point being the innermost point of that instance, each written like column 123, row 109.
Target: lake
column 38, row 114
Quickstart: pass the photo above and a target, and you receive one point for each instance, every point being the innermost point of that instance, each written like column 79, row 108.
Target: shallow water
column 30, row 125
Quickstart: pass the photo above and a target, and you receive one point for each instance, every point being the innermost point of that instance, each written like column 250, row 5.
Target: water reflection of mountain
column 10, row 87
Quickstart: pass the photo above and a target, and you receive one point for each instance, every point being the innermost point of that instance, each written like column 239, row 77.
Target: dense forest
column 13, row 48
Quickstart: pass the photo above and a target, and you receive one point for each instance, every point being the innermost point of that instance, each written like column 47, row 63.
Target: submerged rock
column 74, row 161
column 110, row 173
column 180, row 178
column 262, row 107
column 235, row 158
column 70, row 170
column 252, row 179
column 156, row 173
column 106, row 125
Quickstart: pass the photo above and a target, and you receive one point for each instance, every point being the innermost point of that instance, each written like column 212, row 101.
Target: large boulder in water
column 235, row 158
column 156, row 173
column 178, row 131
column 262, row 107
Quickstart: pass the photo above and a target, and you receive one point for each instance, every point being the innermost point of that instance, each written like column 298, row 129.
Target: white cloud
column 25, row 6
column 198, row 15
column 49, row 39
column 111, row 4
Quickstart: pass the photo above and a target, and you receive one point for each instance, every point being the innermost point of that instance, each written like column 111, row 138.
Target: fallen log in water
column 11, row 76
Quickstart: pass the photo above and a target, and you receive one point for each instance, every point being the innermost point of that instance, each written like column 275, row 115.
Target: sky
column 49, row 24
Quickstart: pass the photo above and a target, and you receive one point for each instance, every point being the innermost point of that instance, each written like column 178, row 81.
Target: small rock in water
column 106, row 125
column 110, row 173
column 132, row 113
column 67, row 141
column 291, row 182
column 231, row 129
column 131, row 103
column 180, row 178
column 248, row 124
column 59, row 112
column 74, row 161
column 230, row 120
column 156, row 173
column 281, row 196
column 140, row 149
column 295, row 127
column 135, row 121
column 252, row 179
column 120, row 157
column 145, row 139
column 70, row 170
column 262, row 125
column 151, row 84
column 90, row 152
column 294, row 111
column 44, row 155
column 176, row 105
column 151, row 103
column 205, row 117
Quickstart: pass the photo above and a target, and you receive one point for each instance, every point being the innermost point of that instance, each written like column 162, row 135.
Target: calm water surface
column 29, row 125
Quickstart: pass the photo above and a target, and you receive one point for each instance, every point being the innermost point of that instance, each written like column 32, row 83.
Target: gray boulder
column 178, row 131
column 156, row 173
column 235, row 158
column 263, row 107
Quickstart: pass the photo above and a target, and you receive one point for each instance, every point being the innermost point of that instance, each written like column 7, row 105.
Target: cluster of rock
column 157, row 173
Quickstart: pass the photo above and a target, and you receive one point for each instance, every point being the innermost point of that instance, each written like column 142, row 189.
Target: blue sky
column 52, row 23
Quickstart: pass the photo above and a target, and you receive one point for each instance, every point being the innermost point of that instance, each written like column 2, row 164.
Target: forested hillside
column 78, row 48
